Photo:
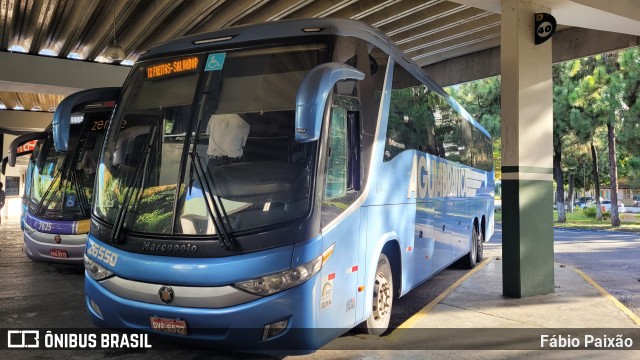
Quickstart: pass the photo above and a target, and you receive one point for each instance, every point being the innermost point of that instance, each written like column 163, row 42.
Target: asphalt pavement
column 470, row 318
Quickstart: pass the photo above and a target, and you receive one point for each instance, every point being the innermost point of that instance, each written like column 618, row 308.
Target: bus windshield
column 61, row 186
column 209, row 137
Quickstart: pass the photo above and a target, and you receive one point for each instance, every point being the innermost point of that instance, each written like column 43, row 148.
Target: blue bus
column 59, row 186
column 272, row 186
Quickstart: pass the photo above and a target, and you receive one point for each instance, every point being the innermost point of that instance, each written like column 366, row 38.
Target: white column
column 527, row 153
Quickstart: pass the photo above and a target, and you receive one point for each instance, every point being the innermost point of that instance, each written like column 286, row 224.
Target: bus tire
column 378, row 322
column 470, row 260
column 480, row 247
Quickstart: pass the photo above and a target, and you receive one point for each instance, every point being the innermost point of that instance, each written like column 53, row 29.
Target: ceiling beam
column 439, row 24
column 40, row 74
column 463, row 29
column 228, row 14
column 421, row 17
column 397, row 11
column 274, row 10
column 568, row 44
column 363, row 8
column 24, row 120
column 458, row 45
column 319, row 9
column 186, row 18
column 621, row 16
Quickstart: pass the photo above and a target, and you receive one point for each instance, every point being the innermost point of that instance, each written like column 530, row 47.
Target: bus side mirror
column 4, row 165
column 21, row 140
column 313, row 94
column 61, row 123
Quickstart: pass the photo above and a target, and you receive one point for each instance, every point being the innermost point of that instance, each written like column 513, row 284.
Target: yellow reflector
column 327, row 253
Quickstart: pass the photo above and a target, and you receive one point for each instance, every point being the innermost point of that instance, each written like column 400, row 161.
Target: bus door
column 341, row 221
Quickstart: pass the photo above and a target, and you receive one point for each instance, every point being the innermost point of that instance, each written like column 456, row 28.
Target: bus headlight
column 284, row 280
column 95, row 270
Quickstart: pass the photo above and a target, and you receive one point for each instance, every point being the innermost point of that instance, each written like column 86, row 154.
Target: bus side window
column 336, row 178
column 343, row 180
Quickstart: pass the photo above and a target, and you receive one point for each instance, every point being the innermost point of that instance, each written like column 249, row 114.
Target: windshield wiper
column 220, row 216
column 45, row 196
column 122, row 213
column 82, row 197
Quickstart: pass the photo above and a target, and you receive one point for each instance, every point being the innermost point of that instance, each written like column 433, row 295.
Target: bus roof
column 286, row 29
column 273, row 30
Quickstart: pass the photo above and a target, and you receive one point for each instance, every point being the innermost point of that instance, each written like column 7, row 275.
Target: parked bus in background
column 59, row 186
column 19, row 150
column 271, row 186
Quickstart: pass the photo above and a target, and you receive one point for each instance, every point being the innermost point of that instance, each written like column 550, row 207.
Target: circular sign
column 544, row 29
column 545, row 26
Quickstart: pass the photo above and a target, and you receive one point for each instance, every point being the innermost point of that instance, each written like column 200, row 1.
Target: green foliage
column 497, row 157
column 589, row 212
column 588, row 93
column 481, row 99
column 156, row 222
column 155, row 207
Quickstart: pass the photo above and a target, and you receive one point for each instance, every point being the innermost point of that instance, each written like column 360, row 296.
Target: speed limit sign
column 545, row 26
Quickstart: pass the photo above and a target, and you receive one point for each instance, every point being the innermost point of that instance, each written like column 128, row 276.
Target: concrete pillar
column 527, row 154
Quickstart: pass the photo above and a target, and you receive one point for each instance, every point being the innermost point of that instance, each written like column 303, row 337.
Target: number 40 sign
column 545, row 26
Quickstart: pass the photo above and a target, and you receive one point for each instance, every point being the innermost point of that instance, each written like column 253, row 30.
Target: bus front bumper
column 240, row 327
column 62, row 249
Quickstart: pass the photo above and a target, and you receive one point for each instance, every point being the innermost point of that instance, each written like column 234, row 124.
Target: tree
column 596, row 106
column 611, row 94
column 481, row 99
column 586, row 115
column 629, row 136
column 563, row 85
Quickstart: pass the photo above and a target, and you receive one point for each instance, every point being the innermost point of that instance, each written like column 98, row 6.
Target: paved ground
column 612, row 260
column 31, row 292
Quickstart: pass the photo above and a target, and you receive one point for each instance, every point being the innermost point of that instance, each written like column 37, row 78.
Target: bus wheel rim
column 381, row 297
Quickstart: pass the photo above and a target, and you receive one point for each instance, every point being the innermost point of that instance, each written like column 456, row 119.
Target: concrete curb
column 603, row 231
column 425, row 310
column 607, row 295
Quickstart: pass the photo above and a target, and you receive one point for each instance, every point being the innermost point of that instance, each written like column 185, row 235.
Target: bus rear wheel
column 480, row 248
column 475, row 253
column 378, row 323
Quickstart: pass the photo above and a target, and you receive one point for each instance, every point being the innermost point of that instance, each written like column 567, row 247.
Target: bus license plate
column 59, row 253
column 174, row 326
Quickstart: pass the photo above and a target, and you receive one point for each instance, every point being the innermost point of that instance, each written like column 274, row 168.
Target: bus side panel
column 489, row 206
column 408, row 248
column 442, row 235
column 339, row 275
column 385, row 224
column 424, row 241
column 363, row 264
column 484, row 207
column 419, row 245
column 490, row 223
column 461, row 227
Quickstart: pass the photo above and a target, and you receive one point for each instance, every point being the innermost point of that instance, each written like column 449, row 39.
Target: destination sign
column 28, row 146
column 172, row 67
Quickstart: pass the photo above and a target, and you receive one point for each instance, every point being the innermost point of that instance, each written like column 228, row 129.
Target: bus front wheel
column 378, row 322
